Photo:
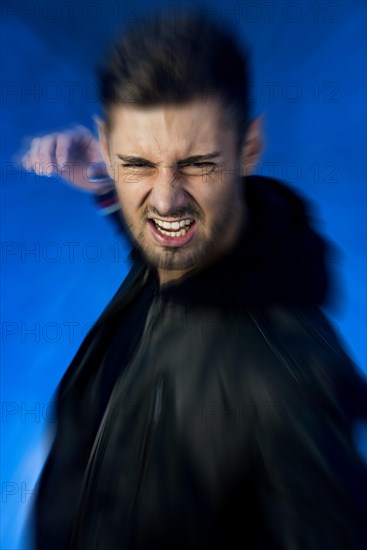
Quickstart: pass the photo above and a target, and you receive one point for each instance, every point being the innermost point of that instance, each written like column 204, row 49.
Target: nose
column 167, row 195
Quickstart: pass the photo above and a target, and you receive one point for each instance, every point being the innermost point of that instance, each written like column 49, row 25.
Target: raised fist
column 73, row 154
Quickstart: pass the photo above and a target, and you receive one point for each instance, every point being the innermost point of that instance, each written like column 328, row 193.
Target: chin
column 171, row 259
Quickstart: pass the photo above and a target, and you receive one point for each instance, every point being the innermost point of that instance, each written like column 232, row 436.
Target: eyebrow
column 194, row 158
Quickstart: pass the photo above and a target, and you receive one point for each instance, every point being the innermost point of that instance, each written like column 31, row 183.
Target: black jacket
column 216, row 411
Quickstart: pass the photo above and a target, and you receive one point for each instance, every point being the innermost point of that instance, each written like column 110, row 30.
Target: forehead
column 194, row 127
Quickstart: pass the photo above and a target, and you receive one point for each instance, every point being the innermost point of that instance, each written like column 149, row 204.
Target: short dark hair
column 174, row 57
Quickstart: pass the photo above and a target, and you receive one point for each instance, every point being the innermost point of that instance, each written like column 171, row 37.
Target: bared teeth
column 172, row 226
column 180, row 233
column 173, row 233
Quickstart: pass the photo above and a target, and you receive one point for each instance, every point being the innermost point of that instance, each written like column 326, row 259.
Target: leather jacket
column 216, row 411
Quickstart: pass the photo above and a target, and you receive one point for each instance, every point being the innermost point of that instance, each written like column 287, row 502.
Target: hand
column 74, row 154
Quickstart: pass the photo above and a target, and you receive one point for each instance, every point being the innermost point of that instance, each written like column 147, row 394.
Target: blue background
column 309, row 71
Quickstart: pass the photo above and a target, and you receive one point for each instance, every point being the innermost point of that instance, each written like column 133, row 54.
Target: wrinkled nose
column 167, row 196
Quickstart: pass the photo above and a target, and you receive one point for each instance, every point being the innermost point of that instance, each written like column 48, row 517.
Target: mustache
column 178, row 214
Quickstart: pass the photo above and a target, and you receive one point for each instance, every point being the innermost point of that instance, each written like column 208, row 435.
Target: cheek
column 217, row 198
column 130, row 196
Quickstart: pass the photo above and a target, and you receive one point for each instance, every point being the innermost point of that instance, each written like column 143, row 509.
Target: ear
column 253, row 145
column 103, row 143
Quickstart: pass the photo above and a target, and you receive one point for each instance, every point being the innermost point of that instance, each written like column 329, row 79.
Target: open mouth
column 174, row 229
column 174, row 233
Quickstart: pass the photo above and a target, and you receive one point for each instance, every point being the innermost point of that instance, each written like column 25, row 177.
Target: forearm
column 108, row 204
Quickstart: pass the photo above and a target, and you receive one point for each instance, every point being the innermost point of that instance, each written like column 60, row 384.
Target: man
column 211, row 405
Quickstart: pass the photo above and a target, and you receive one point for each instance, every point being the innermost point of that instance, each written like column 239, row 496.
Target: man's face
column 176, row 170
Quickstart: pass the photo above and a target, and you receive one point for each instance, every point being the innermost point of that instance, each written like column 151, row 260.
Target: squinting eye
column 137, row 169
column 137, row 165
column 198, row 168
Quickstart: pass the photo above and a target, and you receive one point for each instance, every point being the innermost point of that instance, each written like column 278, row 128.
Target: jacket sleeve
column 78, row 415
column 108, row 205
column 311, row 483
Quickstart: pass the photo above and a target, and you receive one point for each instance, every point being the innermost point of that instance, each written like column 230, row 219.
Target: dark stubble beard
column 177, row 258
